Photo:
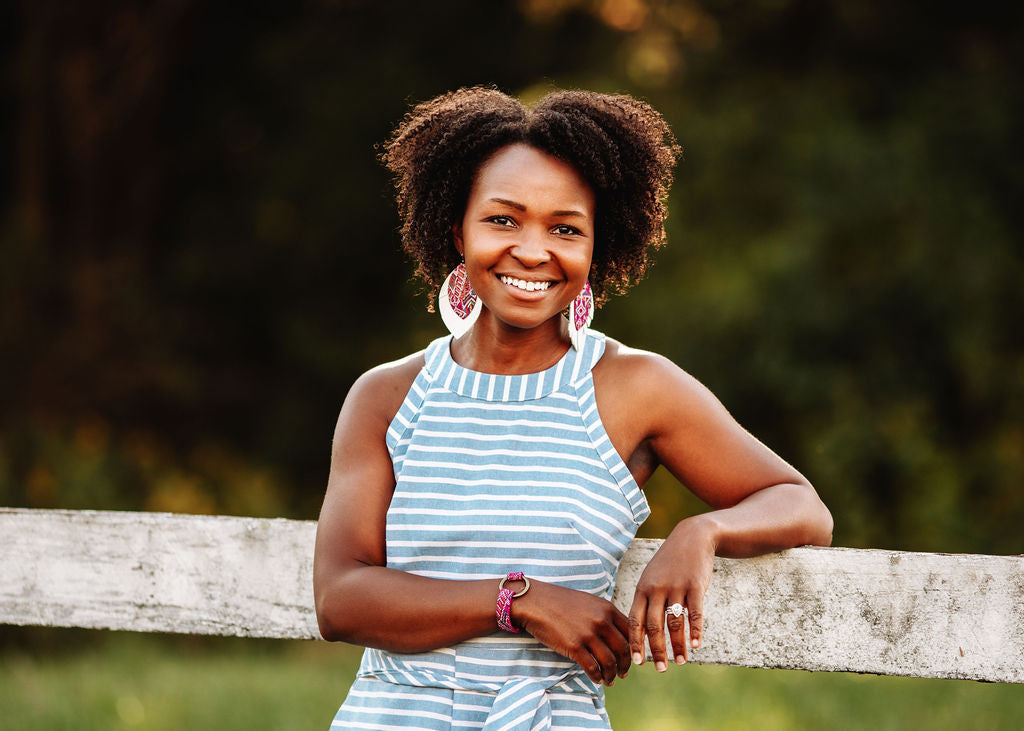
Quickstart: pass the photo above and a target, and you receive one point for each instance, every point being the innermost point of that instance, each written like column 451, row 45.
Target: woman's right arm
column 360, row 601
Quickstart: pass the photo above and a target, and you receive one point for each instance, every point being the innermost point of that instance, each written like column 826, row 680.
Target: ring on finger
column 676, row 610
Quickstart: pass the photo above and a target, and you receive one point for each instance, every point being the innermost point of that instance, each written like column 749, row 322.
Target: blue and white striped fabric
column 494, row 474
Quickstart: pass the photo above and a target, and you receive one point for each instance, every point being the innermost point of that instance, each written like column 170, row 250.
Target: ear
column 457, row 238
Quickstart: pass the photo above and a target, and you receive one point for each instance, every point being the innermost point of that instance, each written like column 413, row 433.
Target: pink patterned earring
column 581, row 314
column 457, row 302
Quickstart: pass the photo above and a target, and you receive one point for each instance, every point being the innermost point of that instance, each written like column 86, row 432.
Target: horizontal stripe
column 380, row 727
column 450, row 527
column 564, row 665
column 417, row 697
column 566, row 579
column 592, row 716
column 523, row 454
column 403, row 712
column 568, row 407
column 494, row 480
column 470, row 437
column 528, row 424
column 539, row 529
column 398, row 561
column 490, row 471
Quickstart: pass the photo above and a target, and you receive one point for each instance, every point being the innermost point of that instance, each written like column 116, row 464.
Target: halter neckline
column 570, row 368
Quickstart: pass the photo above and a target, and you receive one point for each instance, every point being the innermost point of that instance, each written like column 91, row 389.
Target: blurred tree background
column 199, row 252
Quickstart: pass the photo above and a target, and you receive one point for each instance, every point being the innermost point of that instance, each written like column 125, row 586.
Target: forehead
column 530, row 176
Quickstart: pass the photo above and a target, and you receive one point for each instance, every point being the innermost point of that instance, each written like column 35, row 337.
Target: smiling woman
column 527, row 237
column 484, row 490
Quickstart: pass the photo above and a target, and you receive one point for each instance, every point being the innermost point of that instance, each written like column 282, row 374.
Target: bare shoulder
column 623, row 359
column 652, row 385
column 377, row 394
column 642, row 371
column 392, row 380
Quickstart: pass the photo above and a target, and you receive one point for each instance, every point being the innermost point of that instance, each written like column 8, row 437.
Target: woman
column 520, row 443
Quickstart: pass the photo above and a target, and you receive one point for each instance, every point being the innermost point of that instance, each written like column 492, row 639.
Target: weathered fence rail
column 870, row 611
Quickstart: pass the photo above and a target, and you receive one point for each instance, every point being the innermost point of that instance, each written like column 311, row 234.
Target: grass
column 110, row 681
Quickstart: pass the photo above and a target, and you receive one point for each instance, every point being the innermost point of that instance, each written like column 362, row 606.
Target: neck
column 493, row 347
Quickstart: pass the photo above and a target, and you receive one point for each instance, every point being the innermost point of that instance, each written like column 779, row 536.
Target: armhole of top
column 586, row 392
column 405, row 419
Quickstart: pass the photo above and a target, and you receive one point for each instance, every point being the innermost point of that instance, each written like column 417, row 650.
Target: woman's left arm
column 760, row 502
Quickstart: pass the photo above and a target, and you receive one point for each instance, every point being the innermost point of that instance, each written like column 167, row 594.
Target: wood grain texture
column 157, row 572
column 868, row 611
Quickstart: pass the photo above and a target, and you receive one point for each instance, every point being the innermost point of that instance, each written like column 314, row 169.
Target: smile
column 524, row 285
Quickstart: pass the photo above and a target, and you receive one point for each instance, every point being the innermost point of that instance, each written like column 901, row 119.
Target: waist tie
column 520, row 704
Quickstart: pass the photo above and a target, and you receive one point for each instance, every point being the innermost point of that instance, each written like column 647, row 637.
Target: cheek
column 585, row 263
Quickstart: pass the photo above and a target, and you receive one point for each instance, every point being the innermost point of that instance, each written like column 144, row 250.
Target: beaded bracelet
column 505, row 597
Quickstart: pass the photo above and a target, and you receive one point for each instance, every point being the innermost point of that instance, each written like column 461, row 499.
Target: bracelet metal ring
column 501, row 585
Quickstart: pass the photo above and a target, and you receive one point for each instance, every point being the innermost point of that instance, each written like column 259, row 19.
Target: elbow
column 812, row 518
column 821, row 526
column 329, row 629
column 334, row 623
column 333, row 617
column 328, row 621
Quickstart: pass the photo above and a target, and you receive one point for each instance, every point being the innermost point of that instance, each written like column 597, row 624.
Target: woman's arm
column 761, row 503
column 359, row 600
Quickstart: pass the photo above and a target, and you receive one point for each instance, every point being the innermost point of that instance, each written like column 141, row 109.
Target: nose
column 530, row 249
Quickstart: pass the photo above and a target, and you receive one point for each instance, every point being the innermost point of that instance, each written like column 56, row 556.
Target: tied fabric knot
column 521, row 702
column 521, row 705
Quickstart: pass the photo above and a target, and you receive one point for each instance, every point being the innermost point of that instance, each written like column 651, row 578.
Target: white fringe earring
column 581, row 314
column 458, row 302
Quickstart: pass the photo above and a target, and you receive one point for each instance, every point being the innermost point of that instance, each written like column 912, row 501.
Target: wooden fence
column 866, row 611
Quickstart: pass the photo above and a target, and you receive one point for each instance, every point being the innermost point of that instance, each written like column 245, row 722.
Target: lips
column 524, row 284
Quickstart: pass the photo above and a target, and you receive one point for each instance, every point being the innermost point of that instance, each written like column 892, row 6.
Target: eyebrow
column 507, row 202
column 521, row 207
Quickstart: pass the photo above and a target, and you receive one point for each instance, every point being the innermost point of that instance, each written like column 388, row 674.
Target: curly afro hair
column 621, row 146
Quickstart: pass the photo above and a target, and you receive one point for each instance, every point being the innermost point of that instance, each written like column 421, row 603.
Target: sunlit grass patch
column 123, row 681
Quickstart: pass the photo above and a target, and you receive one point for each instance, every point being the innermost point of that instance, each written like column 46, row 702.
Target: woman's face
column 527, row 235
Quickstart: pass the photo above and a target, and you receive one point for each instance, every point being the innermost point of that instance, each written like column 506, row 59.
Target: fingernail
column 662, row 667
column 695, row 643
column 680, row 659
column 638, row 659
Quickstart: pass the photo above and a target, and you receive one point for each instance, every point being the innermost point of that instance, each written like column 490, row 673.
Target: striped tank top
column 498, row 473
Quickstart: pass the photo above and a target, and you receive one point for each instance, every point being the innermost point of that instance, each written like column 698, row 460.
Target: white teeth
column 524, row 285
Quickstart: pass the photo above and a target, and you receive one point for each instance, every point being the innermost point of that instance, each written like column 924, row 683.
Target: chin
column 527, row 323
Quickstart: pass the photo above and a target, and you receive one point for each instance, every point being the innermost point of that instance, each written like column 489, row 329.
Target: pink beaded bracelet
column 505, row 597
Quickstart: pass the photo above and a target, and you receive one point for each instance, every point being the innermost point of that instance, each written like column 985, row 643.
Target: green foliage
column 90, row 466
column 199, row 252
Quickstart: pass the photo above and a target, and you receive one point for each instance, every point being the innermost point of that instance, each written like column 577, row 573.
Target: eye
column 564, row 229
column 501, row 221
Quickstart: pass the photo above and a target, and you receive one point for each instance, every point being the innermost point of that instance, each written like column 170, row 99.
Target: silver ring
column 676, row 610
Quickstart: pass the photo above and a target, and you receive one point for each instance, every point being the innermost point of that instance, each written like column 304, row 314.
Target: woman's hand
column 580, row 626
column 679, row 573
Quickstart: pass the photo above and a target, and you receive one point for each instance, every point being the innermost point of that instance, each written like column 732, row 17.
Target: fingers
column 608, row 665
column 648, row 617
column 584, row 628
column 677, row 633
column 695, row 604
column 611, row 647
column 622, row 651
column 637, row 617
column 586, row 660
column 600, row 645
column 606, row 655
column 654, row 626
